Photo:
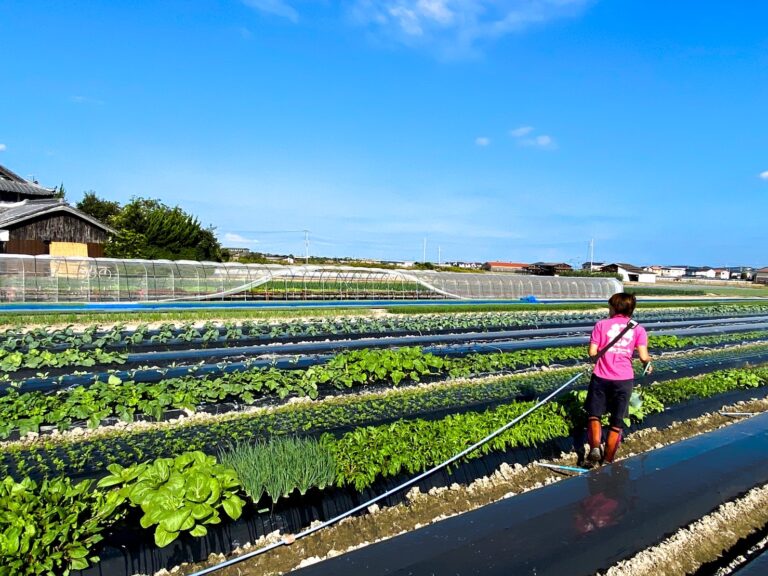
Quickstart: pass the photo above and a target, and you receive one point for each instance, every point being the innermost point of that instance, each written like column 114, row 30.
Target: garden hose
column 291, row 538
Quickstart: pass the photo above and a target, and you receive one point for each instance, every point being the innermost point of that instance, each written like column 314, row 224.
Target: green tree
column 60, row 192
column 102, row 210
column 147, row 228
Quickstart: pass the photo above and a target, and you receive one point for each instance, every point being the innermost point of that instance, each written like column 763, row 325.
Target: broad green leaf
column 172, row 520
column 233, row 506
column 163, row 537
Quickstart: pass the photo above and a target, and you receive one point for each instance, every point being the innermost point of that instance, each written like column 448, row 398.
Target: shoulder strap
column 630, row 324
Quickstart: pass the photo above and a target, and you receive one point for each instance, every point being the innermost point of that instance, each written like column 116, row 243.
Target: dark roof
column 11, row 182
column 627, row 267
column 551, row 264
column 16, row 212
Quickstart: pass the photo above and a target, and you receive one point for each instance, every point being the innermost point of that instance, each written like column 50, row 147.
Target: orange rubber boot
column 594, row 432
column 612, row 444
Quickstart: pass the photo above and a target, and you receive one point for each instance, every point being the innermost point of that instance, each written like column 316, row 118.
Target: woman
column 613, row 377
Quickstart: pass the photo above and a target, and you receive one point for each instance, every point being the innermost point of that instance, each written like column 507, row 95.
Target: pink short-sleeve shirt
column 616, row 363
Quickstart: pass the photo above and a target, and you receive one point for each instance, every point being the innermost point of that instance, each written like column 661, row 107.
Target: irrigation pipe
column 291, row 539
column 559, row 467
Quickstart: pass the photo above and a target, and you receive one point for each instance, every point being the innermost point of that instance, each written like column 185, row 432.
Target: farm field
column 699, row 289
column 167, row 437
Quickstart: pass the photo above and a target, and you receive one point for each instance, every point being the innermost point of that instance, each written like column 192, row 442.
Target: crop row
column 169, row 333
column 40, row 359
column 192, row 491
column 37, row 358
column 53, row 455
column 27, row 411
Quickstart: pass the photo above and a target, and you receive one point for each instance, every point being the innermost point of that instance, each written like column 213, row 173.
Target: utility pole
column 306, row 246
column 424, row 257
column 591, row 252
column 439, row 256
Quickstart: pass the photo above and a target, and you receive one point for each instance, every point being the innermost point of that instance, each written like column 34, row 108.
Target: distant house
column 673, row 271
column 742, row 272
column 592, row 266
column 548, row 268
column 761, row 276
column 722, row 274
column 516, row 267
column 236, row 253
column 33, row 221
column 655, row 269
column 630, row 273
column 702, row 272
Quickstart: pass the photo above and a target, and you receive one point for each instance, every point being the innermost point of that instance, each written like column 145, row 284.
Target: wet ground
column 757, row 567
column 581, row 525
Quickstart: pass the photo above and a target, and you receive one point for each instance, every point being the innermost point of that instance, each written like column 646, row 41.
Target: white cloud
column 85, row 100
column 407, row 19
column 3, row 147
column 543, row 141
column 482, row 141
column 276, row 7
column 524, row 137
column 456, row 26
column 763, row 175
column 521, row 131
column 231, row 238
column 436, row 10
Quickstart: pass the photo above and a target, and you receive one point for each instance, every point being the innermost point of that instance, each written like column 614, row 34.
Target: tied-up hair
column 623, row 304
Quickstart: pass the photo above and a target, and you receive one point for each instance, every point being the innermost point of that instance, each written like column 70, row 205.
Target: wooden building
column 514, row 267
column 761, row 276
column 33, row 221
column 549, row 268
column 629, row 272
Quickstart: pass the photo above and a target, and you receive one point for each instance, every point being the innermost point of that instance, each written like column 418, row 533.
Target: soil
column 425, row 508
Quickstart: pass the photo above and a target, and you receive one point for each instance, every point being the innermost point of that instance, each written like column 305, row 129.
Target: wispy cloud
column 456, row 26
column 231, row 238
column 3, row 147
column 520, row 132
column 482, row 141
column 279, row 8
column 524, row 137
column 544, row 141
column 85, row 100
column 763, row 175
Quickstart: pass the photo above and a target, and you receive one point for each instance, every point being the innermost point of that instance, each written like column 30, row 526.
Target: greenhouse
column 79, row 279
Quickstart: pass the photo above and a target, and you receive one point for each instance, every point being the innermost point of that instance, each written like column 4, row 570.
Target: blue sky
column 497, row 130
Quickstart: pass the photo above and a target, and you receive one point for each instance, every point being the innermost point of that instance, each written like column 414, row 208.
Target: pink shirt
column 616, row 363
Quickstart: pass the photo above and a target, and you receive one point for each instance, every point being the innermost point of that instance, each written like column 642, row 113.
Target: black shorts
column 609, row 396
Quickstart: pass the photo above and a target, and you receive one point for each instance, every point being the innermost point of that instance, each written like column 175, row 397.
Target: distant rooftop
column 12, row 182
column 16, row 212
